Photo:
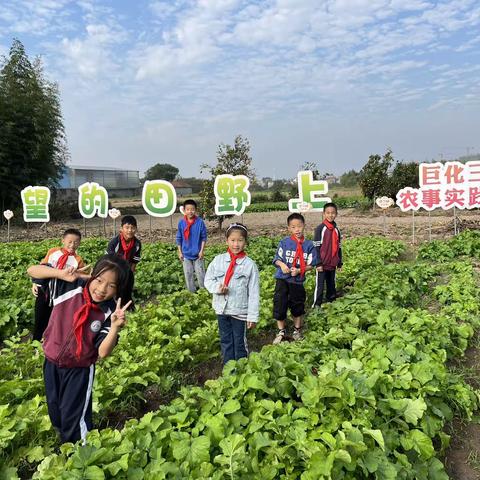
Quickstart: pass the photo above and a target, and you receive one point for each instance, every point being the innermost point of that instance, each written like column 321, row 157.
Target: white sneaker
column 297, row 334
column 279, row 338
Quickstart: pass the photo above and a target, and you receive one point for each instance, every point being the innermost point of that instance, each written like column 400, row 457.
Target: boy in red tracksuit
column 327, row 240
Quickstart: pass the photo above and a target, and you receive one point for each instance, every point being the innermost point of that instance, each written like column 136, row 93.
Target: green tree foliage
column 403, row 175
column 33, row 147
column 161, row 171
column 373, row 178
column 233, row 160
column 350, row 179
column 378, row 178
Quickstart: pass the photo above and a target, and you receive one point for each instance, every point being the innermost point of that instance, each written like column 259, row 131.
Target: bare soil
column 462, row 460
column 394, row 224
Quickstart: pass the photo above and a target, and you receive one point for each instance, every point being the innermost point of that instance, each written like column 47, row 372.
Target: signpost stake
column 114, row 214
column 455, row 221
column 413, row 227
column 429, row 227
column 8, row 214
column 384, row 203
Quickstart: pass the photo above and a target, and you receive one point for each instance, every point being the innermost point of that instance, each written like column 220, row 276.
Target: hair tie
column 238, row 225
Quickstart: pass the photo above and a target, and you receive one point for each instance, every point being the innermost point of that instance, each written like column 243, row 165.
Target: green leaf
column 121, row 464
column 230, row 406
column 414, row 410
column 419, row 442
column 94, row 473
column 199, row 450
column 376, row 435
column 35, row 454
column 320, row 465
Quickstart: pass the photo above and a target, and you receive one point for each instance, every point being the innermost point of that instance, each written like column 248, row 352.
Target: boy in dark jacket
column 294, row 257
column 327, row 240
column 126, row 244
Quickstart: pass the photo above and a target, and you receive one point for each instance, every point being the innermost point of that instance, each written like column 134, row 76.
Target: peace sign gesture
column 118, row 316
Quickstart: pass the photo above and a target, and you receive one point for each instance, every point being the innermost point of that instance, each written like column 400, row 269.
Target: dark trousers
column 69, row 400
column 328, row 277
column 233, row 338
column 42, row 313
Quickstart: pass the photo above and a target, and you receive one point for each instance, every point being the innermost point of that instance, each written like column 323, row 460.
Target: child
column 233, row 279
column 82, row 328
column 327, row 240
column 191, row 239
column 295, row 256
column 57, row 257
column 126, row 244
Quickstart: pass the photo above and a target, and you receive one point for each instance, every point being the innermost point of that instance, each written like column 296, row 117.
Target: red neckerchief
column 331, row 227
column 299, row 254
column 81, row 316
column 186, row 231
column 62, row 261
column 127, row 247
column 231, row 267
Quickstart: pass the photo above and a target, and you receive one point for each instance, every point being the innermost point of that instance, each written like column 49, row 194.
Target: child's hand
column 201, row 255
column 180, row 256
column 35, row 290
column 118, row 319
column 68, row 276
column 251, row 325
column 71, row 269
column 285, row 269
column 294, row 271
column 222, row 289
column 82, row 272
column 320, row 268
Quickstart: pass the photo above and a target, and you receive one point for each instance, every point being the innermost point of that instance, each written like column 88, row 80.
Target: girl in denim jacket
column 233, row 279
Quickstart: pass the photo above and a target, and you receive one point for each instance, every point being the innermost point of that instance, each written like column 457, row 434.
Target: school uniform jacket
column 322, row 239
column 51, row 259
column 115, row 246
column 286, row 253
column 59, row 342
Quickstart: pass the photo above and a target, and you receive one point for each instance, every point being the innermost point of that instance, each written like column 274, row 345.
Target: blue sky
column 328, row 81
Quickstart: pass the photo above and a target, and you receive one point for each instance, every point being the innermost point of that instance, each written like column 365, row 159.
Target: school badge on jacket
column 96, row 326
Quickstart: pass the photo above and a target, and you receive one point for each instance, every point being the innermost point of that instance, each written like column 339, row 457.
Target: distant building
column 331, row 179
column 266, row 182
column 182, row 188
column 118, row 182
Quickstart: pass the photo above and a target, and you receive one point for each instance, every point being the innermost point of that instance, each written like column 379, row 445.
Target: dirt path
column 351, row 222
column 462, row 459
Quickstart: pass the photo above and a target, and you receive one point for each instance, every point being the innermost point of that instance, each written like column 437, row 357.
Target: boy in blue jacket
column 191, row 239
column 295, row 256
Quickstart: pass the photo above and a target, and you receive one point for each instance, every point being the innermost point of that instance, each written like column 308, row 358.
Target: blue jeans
column 233, row 338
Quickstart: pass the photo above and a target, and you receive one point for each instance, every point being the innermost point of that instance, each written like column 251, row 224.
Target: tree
column 373, row 178
column 313, row 167
column 403, row 175
column 234, row 160
column 350, row 179
column 161, row 171
column 33, row 147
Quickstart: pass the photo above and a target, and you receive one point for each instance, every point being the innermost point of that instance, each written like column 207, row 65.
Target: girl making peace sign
column 85, row 322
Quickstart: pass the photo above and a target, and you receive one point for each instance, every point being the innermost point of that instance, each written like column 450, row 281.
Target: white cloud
column 217, row 67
